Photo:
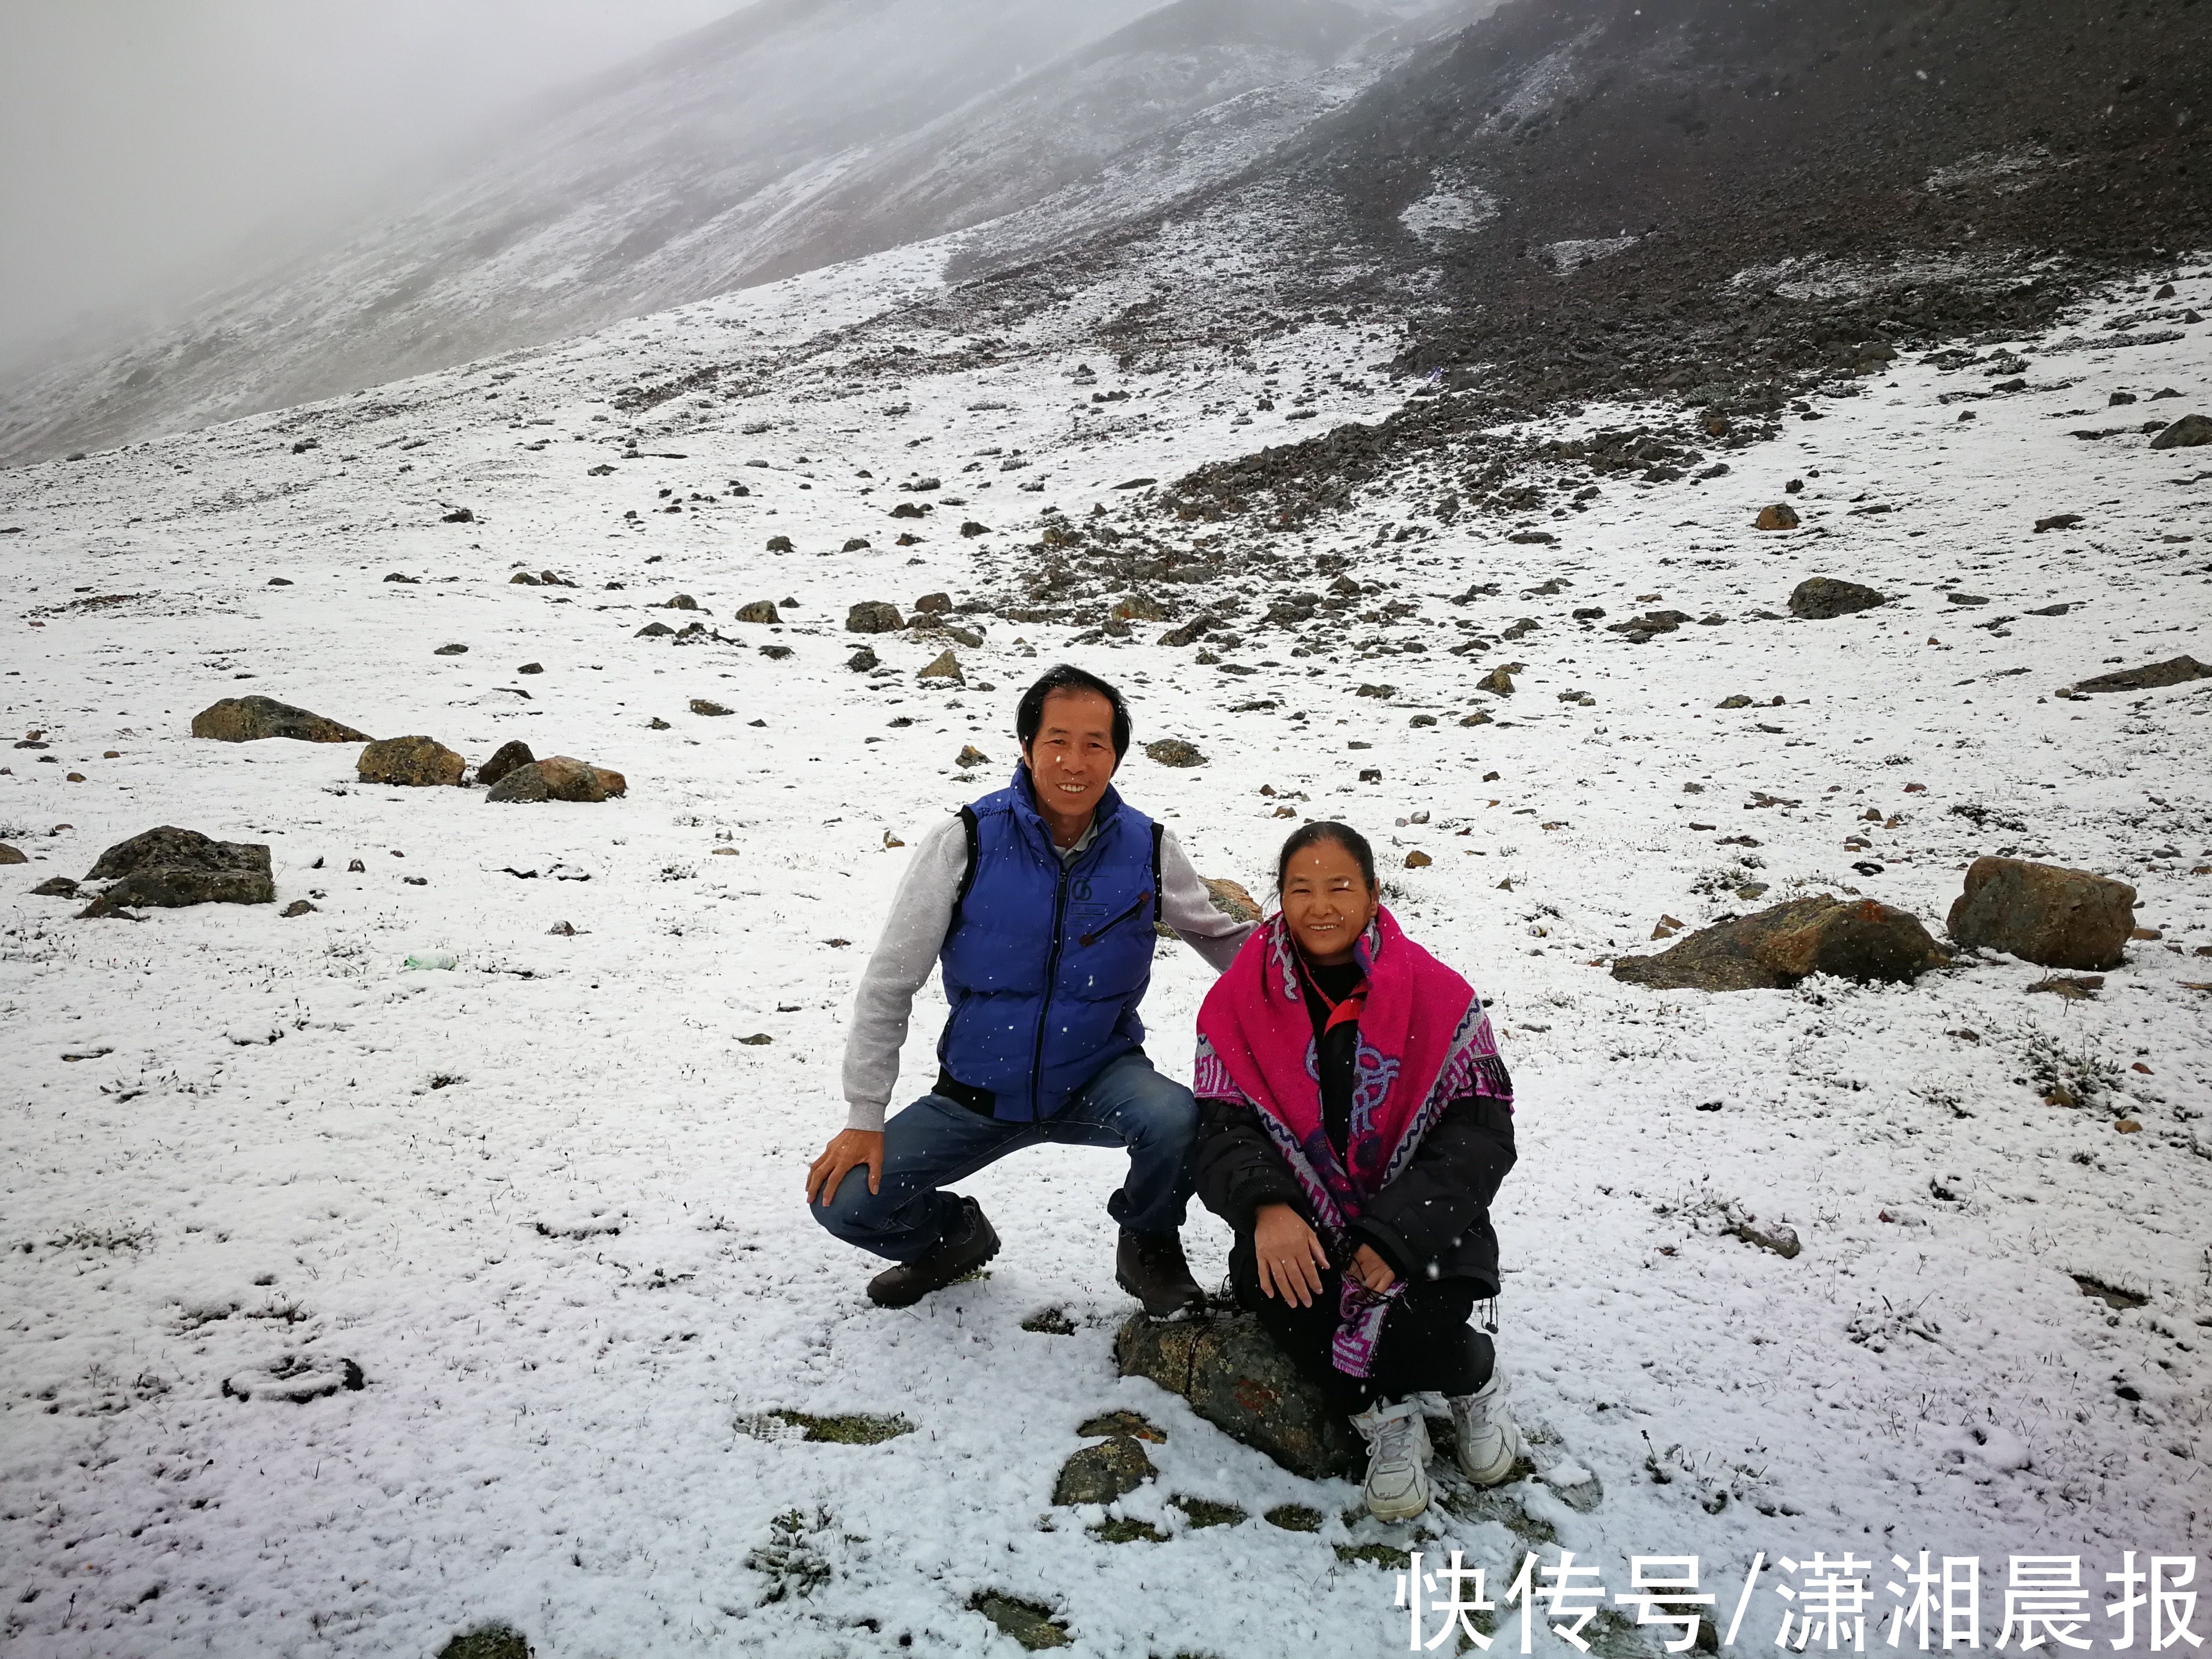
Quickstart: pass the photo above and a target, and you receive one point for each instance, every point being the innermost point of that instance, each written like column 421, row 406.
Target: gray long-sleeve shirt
column 914, row 934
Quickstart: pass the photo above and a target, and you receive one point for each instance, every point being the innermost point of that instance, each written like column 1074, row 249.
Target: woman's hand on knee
column 848, row 1150
column 1288, row 1254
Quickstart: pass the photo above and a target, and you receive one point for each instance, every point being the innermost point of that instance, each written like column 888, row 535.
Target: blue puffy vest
column 1044, row 964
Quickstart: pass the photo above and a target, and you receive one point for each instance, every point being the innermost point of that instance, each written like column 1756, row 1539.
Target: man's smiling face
column 1071, row 758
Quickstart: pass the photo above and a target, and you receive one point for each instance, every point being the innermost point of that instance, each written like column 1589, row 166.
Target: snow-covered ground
column 549, row 1201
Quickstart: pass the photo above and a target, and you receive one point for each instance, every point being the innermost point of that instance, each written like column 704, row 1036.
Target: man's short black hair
column 1029, row 713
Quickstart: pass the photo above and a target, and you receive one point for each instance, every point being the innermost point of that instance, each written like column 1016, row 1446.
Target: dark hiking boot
column 1150, row 1267
column 969, row 1245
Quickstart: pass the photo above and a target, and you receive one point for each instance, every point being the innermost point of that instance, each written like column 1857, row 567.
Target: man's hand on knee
column 848, row 1150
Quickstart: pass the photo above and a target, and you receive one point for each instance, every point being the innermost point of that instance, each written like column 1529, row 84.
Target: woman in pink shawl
column 1355, row 1121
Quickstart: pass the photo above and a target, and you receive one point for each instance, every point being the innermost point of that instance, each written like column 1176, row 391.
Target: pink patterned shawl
column 1424, row 1041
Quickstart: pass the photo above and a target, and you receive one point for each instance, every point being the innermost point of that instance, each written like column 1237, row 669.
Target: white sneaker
column 1488, row 1442
column 1397, row 1484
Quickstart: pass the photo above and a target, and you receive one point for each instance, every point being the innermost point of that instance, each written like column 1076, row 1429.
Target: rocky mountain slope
column 792, row 135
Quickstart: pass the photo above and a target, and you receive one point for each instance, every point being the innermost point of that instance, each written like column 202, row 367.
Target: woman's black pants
column 1427, row 1343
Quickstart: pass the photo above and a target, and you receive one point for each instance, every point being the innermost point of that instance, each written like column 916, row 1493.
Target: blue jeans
column 936, row 1141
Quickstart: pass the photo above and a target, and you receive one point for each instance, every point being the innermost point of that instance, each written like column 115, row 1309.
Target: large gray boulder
column 168, row 868
column 1235, row 1377
column 559, row 777
column 874, row 617
column 1854, row 938
column 416, row 761
column 2174, row 671
column 1817, row 598
column 2187, row 433
column 246, row 719
column 2043, row 914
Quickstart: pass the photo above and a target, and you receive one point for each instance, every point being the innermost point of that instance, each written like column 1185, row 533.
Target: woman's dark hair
column 1029, row 713
column 1320, row 829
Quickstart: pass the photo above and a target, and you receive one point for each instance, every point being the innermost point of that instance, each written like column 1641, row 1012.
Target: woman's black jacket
column 1432, row 1222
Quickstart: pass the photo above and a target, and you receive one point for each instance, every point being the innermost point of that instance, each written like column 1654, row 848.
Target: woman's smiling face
column 1326, row 903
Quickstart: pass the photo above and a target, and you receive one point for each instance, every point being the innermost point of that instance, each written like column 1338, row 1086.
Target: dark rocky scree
column 1723, row 139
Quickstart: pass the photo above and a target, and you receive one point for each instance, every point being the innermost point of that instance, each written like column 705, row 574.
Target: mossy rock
column 1203, row 1512
column 1102, row 1472
column 1235, row 1377
column 1032, row 1626
column 847, row 1428
column 1376, row 1555
column 488, row 1642
column 1119, row 1530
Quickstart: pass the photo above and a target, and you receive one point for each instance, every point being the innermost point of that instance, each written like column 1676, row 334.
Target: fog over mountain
column 790, row 135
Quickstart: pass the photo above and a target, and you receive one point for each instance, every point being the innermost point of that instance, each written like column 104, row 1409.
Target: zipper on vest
column 1044, row 1013
column 1092, row 938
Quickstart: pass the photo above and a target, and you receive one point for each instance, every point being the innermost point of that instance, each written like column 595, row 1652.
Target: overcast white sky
column 142, row 139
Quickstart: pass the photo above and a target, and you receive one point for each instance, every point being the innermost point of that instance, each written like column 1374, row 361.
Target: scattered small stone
column 2057, row 521
column 707, row 706
column 405, row 580
column 781, row 544
column 972, row 527
column 2074, row 988
column 1779, row 516
column 52, row 886
column 971, row 756
column 1050, row 1322
column 296, row 1378
column 758, row 611
column 504, row 760
column 298, row 907
column 1417, row 860
column 654, row 630
column 1968, row 599
column 459, row 515
column 10, row 853
column 1498, row 681
column 863, row 661
column 1294, row 1517
column 413, row 762
column 1174, row 752
column 450, row 651
column 1782, row 1241
column 874, row 617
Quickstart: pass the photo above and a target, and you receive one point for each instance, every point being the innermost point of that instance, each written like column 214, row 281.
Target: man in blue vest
column 1039, row 903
